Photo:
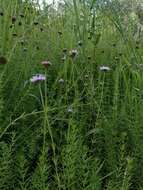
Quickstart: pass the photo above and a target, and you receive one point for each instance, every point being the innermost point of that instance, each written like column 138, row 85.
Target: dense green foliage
column 82, row 127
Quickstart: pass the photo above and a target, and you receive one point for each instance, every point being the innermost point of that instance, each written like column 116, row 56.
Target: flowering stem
column 47, row 126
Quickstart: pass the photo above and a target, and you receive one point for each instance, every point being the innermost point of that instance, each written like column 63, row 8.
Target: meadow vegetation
column 71, row 96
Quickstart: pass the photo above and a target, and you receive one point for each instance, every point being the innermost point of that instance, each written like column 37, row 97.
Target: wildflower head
column 73, row 53
column 41, row 29
column 116, row 58
column 25, row 49
column 80, row 43
column 85, row 84
column 37, row 48
column 89, row 57
column 89, row 37
column 120, row 54
column 61, row 81
column 3, row 60
column 22, row 42
column 1, row 13
column 20, row 23
column 86, row 76
column 14, row 34
column 65, row 50
column 70, row 110
column 60, row 33
column 46, row 63
column 13, row 19
column 37, row 78
column 36, row 23
column 105, row 68
column 21, row 15
column 63, row 58
column 11, row 26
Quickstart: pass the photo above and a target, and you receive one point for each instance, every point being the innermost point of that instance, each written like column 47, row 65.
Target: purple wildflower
column 46, row 63
column 38, row 78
